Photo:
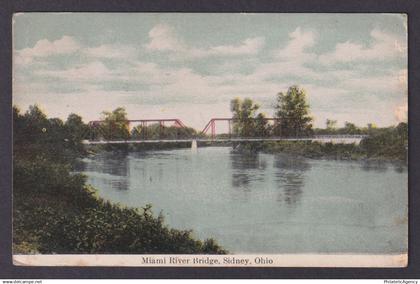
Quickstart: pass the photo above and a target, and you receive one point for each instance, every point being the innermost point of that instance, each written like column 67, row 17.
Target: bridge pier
column 194, row 145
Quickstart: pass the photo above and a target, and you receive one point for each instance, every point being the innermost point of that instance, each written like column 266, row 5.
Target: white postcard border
column 191, row 260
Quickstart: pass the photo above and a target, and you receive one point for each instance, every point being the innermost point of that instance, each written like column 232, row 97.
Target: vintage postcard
column 210, row 139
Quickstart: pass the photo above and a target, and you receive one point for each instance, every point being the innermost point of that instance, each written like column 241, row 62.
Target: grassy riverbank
column 382, row 144
column 55, row 211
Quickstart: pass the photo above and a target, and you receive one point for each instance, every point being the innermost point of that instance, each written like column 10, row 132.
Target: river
column 263, row 203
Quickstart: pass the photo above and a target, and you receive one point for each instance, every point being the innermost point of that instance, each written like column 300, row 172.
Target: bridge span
column 173, row 130
column 335, row 139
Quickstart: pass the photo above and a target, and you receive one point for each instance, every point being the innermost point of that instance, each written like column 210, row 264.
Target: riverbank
column 383, row 144
column 57, row 212
column 307, row 149
column 140, row 147
column 315, row 150
column 387, row 144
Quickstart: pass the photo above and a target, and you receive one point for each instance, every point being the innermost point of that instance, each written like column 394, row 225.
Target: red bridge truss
column 97, row 125
column 101, row 134
column 211, row 125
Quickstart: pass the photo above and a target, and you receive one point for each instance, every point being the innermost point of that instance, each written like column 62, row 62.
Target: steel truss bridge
column 100, row 134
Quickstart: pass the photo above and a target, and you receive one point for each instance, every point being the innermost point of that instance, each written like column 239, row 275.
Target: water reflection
column 122, row 184
column 112, row 163
column 246, row 168
column 115, row 166
column 80, row 166
column 400, row 168
column 290, row 177
column 372, row 165
column 263, row 203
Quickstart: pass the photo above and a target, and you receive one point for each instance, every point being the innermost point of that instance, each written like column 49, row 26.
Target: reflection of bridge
column 148, row 131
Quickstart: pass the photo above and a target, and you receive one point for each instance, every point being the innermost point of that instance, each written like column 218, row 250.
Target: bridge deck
column 325, row 138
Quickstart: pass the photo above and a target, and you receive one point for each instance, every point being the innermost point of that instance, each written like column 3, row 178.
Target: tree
column 19, row 124
column 331, row 124
column 371, row 126
column 56, row 131
column 402, row 129
column 35, row 115
column 262, row 128
column 351, row 128
column 245, row 119
column 35, row 124
column 76, row 131
column 115, row 125
column 156, row 131
column 391, row 142
column 75, row 126
column 37, row 137
column 293, row 112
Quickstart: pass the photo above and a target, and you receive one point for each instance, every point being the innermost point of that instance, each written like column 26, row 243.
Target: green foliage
column 55, row 212
column 331, row 124
column 37, row 137
column 262, row 128
column 107, row 228
column 156, row 131
column 246, row 121
column 382, row 143
column 315, row 150
column 77, row 131
column 115, row 124
column 389, row 142
column 32, row 125
column 351, row 128
column 293, row 112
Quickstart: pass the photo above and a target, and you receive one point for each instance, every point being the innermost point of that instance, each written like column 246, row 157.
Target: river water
column 263, row 203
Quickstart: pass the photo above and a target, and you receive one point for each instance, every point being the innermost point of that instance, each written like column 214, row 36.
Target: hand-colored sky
column 189, row 66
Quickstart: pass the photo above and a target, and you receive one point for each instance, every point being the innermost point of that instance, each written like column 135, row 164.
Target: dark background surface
column 8, row 7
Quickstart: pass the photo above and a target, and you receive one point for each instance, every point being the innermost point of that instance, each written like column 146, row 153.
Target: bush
column 382, row 143
column 54, row 212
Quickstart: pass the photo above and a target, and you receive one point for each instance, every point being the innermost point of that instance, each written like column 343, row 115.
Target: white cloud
column 163, row 86
column 285, row 69
column 68, row 45
column 110, row 51
column 385, row 46
column 163, row 38
column 295, row 50
column 289, row 61
column 93, row 71
column 394, row 82
column 44, row 48
column 323, row 94
column 246, row 47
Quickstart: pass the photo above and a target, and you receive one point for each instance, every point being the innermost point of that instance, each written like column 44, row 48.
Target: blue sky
column 189, row 66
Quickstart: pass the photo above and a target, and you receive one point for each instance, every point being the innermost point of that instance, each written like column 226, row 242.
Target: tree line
column 291, row 119
column 291, row 116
